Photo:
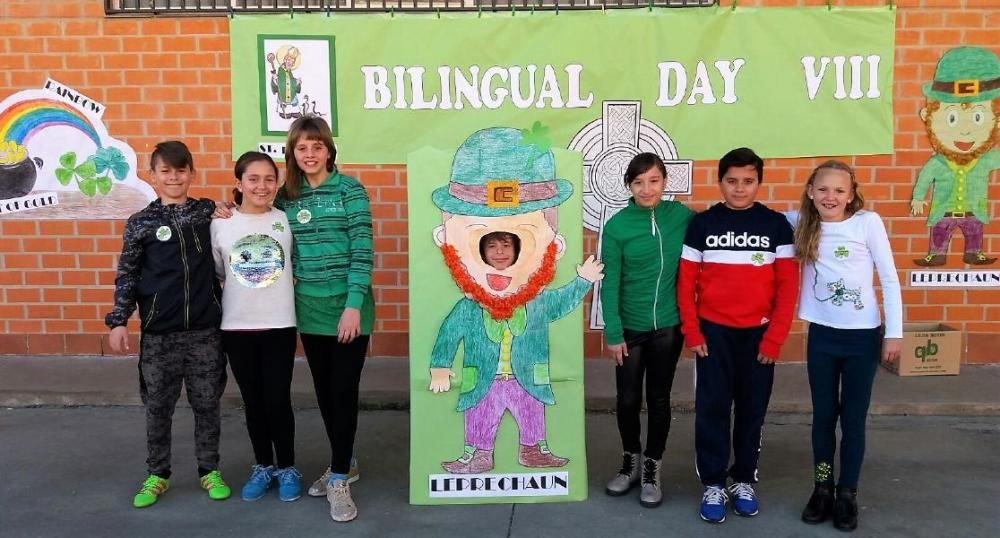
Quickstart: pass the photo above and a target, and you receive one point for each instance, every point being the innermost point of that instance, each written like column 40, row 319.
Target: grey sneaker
column 651, row 496
column 342, row 507
column 627, row 476
column 318, row 488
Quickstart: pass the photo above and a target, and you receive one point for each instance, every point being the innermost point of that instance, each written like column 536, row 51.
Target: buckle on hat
column 965, row 88
column 502, row 193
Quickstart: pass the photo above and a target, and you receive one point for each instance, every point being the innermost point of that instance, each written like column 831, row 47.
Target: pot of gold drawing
column 18, row 171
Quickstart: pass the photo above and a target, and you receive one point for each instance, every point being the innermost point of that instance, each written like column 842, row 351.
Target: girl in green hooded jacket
column 641, row 247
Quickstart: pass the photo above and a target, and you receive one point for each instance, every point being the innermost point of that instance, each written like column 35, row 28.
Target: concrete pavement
column 73, row 471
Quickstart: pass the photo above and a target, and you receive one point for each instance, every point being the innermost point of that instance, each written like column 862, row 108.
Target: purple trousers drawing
column 971, row 228
column 483, row 419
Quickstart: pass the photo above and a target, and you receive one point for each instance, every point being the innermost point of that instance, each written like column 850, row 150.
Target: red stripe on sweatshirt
column 738, row 295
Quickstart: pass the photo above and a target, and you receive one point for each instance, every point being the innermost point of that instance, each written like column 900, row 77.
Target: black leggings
column 655, row 354
column 842, row 365
column 262, row 364
column 336, row 372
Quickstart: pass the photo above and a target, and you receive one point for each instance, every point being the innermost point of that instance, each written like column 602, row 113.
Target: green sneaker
column 152, row 488
column 216, row 488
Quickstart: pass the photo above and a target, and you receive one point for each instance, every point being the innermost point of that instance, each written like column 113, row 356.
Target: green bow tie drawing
column 517, row 323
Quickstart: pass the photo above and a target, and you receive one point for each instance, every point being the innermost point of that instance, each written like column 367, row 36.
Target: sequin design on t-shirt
column 843, row 295
column 257, row 260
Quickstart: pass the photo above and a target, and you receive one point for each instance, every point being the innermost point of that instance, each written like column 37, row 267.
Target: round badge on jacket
column 163, row 233
column 304, row 216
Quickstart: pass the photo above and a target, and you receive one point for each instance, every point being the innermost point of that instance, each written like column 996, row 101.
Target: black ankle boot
column 820, row 505
column 845, row 509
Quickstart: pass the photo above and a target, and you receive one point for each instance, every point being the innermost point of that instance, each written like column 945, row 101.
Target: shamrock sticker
column 163, row 233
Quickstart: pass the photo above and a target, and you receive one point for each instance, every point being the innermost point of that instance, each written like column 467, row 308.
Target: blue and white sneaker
column 257, row 484
column 744, row 499
column 713, row 504
column 289, row 487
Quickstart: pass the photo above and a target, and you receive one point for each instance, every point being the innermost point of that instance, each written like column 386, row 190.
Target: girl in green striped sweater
column 332, row 257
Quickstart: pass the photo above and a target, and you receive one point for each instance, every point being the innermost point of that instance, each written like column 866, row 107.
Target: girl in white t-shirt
column 839, row 245
column 253, row 259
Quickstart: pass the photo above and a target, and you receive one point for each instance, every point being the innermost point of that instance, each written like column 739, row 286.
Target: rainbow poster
column 25, row 119
column 57, row 159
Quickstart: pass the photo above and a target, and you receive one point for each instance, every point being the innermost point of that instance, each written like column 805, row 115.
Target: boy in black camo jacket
column 166, row 268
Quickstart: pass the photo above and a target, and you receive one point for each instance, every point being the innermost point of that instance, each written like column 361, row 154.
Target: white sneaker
column 342, row 507
column 318, row 488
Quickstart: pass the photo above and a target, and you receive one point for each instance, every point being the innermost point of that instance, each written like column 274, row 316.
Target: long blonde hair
column 808, row 228
column 312, row 128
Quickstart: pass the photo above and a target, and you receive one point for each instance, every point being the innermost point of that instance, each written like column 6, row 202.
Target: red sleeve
column 785, row 296
column 688, row 275
column 687, row 284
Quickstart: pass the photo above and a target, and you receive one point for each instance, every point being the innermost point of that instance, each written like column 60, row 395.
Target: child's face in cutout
column 311, row 156
column 171, row 183
column 500, row 253
column 831, row 192
column 258, row 185
column 739, row 186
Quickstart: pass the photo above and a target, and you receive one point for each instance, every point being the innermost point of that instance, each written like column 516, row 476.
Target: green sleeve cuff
column 613, row 339
column 355, row 299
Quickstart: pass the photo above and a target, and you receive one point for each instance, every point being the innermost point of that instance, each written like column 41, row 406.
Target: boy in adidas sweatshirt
column 736, row 291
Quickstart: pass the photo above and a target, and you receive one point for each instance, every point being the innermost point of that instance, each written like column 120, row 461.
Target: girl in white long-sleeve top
column 839, row 245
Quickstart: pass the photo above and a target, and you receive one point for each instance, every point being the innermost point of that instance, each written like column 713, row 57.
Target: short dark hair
column 739, row 158
column 500, row 236
column 641, row 164
column 172, row 153
column 243, row 163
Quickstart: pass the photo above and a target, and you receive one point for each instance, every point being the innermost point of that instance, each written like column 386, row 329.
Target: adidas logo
column 730, row 239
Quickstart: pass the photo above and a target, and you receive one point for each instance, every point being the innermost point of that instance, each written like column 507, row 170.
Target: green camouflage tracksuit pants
column 195, row 359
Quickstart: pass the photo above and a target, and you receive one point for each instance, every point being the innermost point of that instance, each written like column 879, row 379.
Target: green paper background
column 619, row 51
column 436, row 428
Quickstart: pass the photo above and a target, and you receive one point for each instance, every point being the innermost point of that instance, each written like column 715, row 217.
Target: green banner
column 510, row 425
column 788, row 82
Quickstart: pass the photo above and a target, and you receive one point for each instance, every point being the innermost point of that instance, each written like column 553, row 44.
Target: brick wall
column 169, row 77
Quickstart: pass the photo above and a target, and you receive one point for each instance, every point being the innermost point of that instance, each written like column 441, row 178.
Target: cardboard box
column 928, row 349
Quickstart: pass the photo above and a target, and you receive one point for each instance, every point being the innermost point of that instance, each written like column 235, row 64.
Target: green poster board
column 789, row 82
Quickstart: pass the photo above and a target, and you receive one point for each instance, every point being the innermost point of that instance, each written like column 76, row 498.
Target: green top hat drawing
column 502, row 171
column 965, row 75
